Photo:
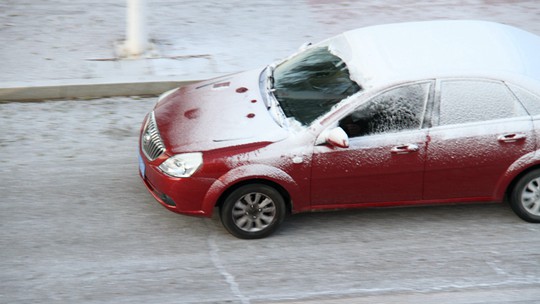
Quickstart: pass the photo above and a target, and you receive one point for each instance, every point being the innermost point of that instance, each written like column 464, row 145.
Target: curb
column 40, row 92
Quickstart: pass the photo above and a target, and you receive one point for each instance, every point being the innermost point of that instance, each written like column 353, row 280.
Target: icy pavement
column 78, row 226
column 61, row 40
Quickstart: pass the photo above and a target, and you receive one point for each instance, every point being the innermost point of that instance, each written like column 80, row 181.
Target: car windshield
column 309, row 84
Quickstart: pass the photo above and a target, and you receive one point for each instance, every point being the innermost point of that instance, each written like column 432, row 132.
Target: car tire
column 525, row 197
column 253, row 211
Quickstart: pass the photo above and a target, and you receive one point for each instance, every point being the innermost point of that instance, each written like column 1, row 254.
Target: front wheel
column 253, row 211
column 525, row 197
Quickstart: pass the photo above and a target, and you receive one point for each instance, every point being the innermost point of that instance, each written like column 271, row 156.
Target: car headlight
column 182, row 165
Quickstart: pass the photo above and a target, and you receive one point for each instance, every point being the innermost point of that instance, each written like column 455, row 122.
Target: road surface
column 77, row 226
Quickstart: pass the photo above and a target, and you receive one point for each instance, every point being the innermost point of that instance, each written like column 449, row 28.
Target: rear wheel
column 253, row 211
column 525, row 197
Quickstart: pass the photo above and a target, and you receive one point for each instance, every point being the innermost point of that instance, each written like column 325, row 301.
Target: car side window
column 465, row 101
column 528, row 99
column 396, row 110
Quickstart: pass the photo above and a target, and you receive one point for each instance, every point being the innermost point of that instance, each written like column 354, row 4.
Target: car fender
column 528, row 160
column 251, row 172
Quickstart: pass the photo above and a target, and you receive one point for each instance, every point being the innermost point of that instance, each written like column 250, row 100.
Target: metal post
column 137, row 34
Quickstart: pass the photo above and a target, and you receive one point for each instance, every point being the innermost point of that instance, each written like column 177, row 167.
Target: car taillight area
column 151, row 142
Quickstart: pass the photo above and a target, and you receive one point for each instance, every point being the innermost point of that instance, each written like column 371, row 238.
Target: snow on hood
column 218, row 113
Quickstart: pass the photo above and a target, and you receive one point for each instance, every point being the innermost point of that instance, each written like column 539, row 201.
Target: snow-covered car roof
column 400, row 52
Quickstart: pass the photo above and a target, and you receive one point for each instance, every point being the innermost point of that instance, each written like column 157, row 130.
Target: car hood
column 218, row 113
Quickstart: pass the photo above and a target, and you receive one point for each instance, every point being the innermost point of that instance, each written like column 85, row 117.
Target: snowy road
column 77, row 226
column 57, row 39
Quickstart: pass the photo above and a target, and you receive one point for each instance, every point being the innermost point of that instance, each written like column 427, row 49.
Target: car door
column 385, row 158
column 482, row 129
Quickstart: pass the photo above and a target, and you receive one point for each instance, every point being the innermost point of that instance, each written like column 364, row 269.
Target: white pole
column 137, row 35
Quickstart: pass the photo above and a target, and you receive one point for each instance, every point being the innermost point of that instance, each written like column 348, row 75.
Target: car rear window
column 529, row 100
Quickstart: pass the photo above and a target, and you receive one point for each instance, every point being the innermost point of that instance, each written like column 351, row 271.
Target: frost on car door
column 385, row 159
column 482, row 130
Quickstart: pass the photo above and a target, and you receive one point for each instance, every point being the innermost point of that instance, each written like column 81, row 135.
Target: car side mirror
column 337, row 138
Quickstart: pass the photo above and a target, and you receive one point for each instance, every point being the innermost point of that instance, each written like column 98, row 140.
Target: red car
column 400, row 114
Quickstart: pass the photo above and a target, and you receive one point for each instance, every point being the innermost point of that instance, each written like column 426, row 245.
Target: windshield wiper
column 272, row 104
column 270, row 85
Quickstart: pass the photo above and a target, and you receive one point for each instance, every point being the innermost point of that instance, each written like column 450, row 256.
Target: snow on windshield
column 309, row 84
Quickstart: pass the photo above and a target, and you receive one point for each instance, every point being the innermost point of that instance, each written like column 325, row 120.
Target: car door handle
column 511, row 137
column 404, row 149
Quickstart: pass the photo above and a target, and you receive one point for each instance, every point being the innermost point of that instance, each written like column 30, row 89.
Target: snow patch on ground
column 60, row 39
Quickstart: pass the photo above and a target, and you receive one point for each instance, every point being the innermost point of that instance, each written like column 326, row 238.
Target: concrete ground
column 60, row 42
column 77, row 225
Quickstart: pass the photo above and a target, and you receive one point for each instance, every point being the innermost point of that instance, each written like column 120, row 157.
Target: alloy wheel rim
column 530, row 197
column 254, row 212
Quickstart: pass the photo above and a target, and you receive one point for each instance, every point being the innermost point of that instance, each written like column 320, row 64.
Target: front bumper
column 180, row 195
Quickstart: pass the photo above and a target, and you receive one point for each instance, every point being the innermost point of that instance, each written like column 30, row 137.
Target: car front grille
column 151, row 142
